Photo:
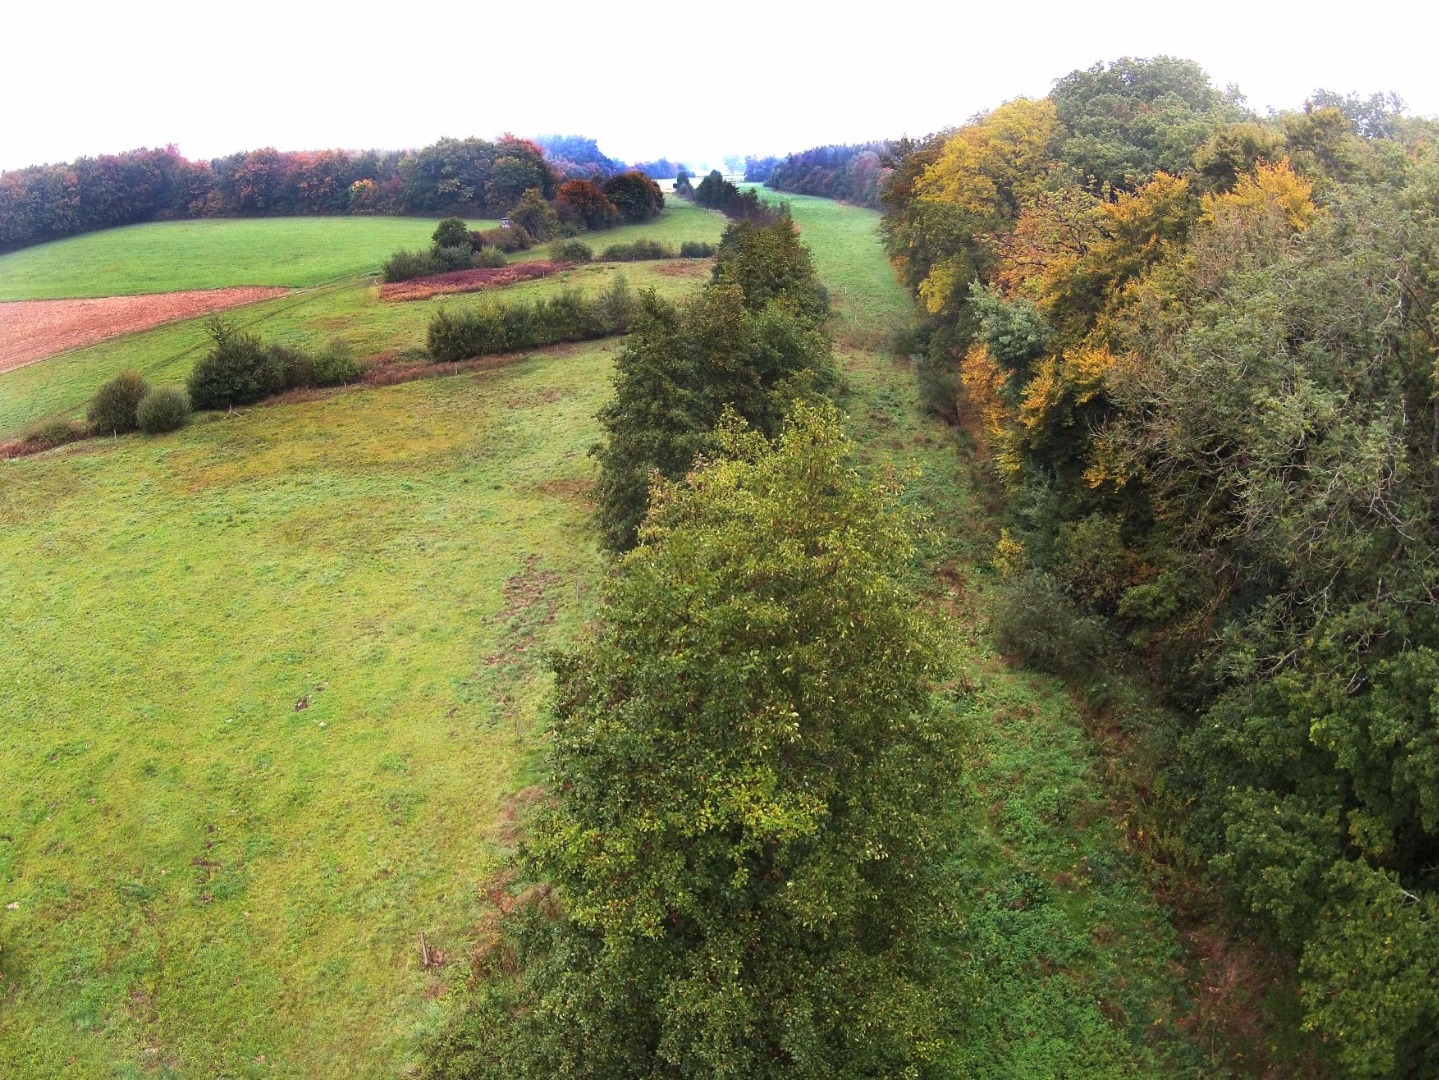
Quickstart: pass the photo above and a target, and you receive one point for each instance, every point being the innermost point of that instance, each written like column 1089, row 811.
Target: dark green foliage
column 636, row 196
column 404, row 265
column 112, row 410
column 637, row 251
column 481, row 331
column 1035, row 620
column 696, row 249
column 489, row 258
column 515, row 238
column 571, row 251
column 165, row 408
column 683, row 188
column 458, row 257
column 535, row 215
column 769, row 263
column 451, row 232
column 240, row 369
column 751, row 786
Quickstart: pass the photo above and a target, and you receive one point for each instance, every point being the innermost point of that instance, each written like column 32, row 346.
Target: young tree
column 638, row 198
column 750, row 781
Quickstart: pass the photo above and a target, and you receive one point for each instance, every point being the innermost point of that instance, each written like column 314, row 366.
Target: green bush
column 112, row 410
column 1036, row 620
column 165, row 408
column 483, row 331
column 455, row 257
column 237, row 370
column 335, row 366
column 696, row 249
column 54, row 431
column 572, row 251
column 404, row 265
column 489, row 258
column 451, row 232
column 510, row 240
column 637, row 251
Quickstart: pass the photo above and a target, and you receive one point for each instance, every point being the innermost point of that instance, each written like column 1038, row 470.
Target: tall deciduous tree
column 750, row 780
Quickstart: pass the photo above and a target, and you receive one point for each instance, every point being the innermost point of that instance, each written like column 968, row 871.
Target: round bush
column 572, row 251
column 112, row 411
column 165, row 408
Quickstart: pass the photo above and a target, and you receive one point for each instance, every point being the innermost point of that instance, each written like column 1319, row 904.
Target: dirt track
column 32, row 330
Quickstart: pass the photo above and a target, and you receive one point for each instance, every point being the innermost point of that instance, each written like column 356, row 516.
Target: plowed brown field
column 31, row 330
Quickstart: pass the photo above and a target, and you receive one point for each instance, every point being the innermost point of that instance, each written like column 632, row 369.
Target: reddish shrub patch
column 463, row 281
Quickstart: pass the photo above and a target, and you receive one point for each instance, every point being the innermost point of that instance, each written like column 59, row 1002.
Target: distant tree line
column 852, row 173
column 465, row 177
column 1199, row 347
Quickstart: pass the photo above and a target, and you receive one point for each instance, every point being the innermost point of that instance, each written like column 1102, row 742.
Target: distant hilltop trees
column 466, row 177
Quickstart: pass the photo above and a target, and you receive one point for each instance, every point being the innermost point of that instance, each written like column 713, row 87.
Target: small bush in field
column 1036, row 619
column 488, row 258
column 112, row 410
column 405, row 265
column 452, row 232
column 510, row 240
column 237, row 370
column 165, row 408
column 696, row 249
column 572, row 251
column 637, row 251
column 335, row 366
column 483, row 331
column 44, row 434
column 458, row 257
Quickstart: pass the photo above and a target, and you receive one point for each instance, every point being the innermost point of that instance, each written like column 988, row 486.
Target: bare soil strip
column 462, row 281
column 32, row 330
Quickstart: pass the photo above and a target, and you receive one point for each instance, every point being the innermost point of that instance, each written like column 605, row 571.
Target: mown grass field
column 267, row 685
column 165, row 256
column 348, row 310
column 263, row 682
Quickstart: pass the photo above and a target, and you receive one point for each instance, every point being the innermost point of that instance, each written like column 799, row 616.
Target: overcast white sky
column 676, row 79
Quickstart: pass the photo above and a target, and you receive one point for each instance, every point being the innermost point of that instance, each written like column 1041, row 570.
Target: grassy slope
column 1063, row 964
column 199, row 867
column 169, row 602
column 62, row 386
column 211, row 254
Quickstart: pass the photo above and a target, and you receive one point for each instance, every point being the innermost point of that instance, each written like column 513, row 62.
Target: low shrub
column 49, row 433
column 455, row 257
column 240, row 369
column 637, row 251
column 336, row 366
column 572, row 251
column 165, row 408
column 112, row 410
column 404, row 265
column 1036, row 620
column 483, row 331
column 696, row 249
column 510, row 240
column 489, row 259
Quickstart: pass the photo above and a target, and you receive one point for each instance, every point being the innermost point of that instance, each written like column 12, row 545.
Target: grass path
column 1062, row 964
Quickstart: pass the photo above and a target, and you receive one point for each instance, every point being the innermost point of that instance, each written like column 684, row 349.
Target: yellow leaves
column 939, row 286
column 1270, row 189
column 982, row 379
column 1010, row 558
column 985, row 164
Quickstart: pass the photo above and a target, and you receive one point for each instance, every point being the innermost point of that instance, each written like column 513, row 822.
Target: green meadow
column 273, row 682
column 349, row 310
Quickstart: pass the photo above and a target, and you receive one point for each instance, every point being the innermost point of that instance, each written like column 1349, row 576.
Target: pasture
column 273, row 683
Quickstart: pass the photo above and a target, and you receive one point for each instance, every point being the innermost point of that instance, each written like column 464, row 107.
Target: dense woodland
column 854, row 173
column 1199, row 348
column 468, row 177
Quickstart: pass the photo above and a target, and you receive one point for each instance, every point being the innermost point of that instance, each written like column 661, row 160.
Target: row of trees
column 852, row 173
column 736, row 867
column 1201, row 348
column 714, row 192
column 468, row 177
